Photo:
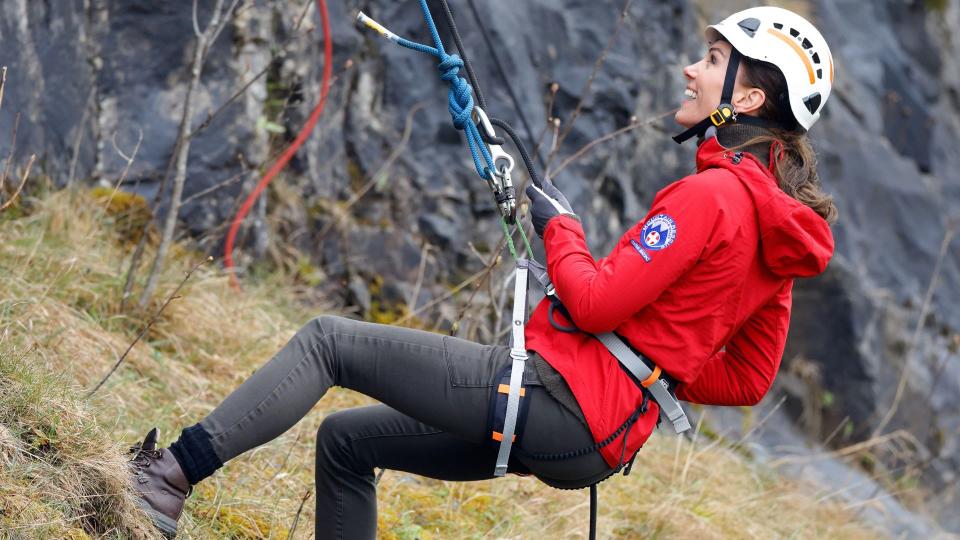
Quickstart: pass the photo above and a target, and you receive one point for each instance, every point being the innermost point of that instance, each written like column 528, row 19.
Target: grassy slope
column 61, row 468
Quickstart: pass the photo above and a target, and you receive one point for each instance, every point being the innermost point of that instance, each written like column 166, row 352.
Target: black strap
column 724, row 112
column 593, row 512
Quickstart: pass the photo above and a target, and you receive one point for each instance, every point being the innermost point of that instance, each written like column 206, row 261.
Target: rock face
column 91, row 76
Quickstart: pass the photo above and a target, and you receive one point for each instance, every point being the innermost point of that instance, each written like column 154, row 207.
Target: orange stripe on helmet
column 796, row 47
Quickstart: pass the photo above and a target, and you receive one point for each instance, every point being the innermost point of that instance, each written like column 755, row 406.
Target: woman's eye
column 713, row 59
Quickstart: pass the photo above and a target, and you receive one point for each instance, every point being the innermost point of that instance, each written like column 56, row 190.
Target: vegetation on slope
column 62, row 472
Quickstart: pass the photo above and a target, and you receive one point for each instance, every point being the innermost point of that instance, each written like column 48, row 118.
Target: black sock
column 194, row 452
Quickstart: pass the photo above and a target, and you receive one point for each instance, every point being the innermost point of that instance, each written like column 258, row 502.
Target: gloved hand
column 545, row 204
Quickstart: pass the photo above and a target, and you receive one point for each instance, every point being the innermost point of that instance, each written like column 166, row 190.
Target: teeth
column 690, row 93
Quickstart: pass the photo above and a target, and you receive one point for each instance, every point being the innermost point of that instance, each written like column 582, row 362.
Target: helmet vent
column 749, row 26
column 806, row 43
column 778, row 26
column 794, row 32
column 812, row 102
column 816, row 58
column 819, row 73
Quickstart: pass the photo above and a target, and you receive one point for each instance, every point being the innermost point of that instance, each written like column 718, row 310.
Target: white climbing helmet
column 791, row 43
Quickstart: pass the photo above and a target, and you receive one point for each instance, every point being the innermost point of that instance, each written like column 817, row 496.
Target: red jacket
column 701, row 286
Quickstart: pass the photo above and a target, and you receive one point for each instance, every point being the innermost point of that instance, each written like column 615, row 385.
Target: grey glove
column 545, row 204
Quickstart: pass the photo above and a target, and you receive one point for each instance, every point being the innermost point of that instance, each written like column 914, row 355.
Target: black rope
column 524, row 155
column 503, row 74
column 471, row 75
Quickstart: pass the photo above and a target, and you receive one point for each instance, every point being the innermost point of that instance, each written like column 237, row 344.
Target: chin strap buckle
column 723, row 114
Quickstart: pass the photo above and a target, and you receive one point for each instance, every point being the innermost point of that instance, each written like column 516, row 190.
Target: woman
column 701, row 286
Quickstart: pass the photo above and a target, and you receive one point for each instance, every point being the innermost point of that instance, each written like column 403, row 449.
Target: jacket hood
column 794, row 240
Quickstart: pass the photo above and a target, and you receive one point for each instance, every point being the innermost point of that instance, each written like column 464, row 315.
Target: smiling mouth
column 690, row 94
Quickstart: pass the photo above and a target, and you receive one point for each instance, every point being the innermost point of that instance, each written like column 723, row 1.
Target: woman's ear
column 749, row 100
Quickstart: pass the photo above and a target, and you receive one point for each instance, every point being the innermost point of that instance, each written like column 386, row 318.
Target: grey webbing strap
column 669, row 406
column 518, row 352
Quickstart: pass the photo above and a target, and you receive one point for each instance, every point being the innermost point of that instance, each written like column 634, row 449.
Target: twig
column 462, row 285
column 123, row 175
column 848, row 450
column 173, row 296
column 612, row 135
column 3, row 84
column 228, row 182
column 13, row 146
column 490, row 265
column 554, row 88
column 296, row 518
column 76, row 144
column 759, row 424
column 377, row 178
column 211, row 116
column 568, row 126
column 23, row 180
column 924, row 309
column 420, row 273
column 170, row 222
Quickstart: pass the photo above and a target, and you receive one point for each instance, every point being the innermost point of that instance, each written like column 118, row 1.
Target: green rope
column 509, row 237
column 526, row 242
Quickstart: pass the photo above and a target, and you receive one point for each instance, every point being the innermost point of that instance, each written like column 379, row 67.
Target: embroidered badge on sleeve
column 659, row 232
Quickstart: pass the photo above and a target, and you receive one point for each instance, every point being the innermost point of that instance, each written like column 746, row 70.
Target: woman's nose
column 690, row 71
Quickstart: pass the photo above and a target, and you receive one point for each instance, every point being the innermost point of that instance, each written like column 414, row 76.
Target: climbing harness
column 494, row 165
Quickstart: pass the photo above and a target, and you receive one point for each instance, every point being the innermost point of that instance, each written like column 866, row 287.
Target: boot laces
column 142, row 457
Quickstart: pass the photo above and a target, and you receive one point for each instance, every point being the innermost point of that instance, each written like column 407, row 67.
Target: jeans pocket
column 471, row 364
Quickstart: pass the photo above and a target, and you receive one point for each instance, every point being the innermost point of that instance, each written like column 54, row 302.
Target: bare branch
column 421, row 271
column 589, row 84
column 183, row 151
column 379, row 176
column 196, row 23
column 173, row 296
column 612, row 135
column 123, row 175
column 243, row 89
column 222, row 24
column 924, row 309
column 296, row 518
column 23, row 180
column 13, row 146
column 76, row 143
column 228, row 182
column 3, row 84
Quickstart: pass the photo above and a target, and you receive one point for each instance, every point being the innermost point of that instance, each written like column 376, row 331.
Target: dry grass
column 62, row 468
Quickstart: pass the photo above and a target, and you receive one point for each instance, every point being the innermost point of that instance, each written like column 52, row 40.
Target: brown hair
column 796, row 168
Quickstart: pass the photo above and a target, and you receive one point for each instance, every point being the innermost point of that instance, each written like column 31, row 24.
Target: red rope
column 290, row 151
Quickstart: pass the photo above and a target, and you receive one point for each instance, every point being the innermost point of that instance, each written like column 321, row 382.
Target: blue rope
column 459, row 97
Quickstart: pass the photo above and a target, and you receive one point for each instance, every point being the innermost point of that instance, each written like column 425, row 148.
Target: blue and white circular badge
column 659, row 232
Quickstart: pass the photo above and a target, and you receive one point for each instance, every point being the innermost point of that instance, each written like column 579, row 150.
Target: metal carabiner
column 496, row 151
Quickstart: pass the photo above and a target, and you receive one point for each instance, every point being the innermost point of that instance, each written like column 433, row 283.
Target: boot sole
column 167, row 526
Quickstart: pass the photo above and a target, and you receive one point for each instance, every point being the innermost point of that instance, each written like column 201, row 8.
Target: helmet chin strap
column 724, row 112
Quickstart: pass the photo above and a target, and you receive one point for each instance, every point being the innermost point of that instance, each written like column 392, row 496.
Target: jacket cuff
column 569, row 222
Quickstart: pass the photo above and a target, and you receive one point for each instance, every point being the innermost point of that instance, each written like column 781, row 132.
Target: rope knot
column 460, row 96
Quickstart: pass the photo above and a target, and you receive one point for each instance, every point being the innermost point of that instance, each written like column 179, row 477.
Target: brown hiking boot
column 160, row 482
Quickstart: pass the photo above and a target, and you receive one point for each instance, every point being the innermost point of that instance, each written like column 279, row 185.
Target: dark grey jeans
column 436, row 392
